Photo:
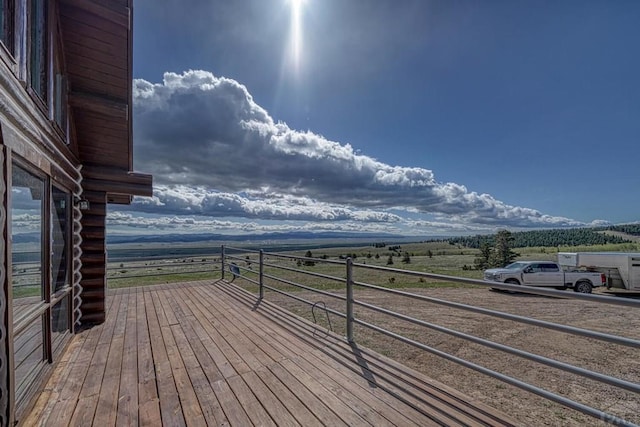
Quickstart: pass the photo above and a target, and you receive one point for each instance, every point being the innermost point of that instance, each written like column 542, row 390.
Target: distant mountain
column 26, row 238
column 297, row 235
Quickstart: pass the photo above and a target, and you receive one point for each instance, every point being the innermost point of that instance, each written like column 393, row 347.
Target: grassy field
column 327, row 272
column 427, row 257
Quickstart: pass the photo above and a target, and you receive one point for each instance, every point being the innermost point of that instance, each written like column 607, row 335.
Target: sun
column 296, row 3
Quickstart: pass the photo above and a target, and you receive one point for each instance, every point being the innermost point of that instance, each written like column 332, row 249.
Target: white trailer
column 622, row 269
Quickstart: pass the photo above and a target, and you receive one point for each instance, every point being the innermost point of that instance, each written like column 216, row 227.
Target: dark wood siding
column 97, row 41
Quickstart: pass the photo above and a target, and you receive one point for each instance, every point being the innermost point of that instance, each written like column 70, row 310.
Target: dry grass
column 529, row 409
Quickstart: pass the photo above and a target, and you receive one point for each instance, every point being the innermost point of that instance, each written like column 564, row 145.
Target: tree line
column 555, row 237
column 632, row 229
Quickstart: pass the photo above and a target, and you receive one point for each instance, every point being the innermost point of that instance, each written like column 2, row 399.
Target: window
column 41, row 274
column 59, row 87
column 38, row 47
column 28, row 279
column 59, row 240
column 6, row 23
column 60, row 322
column 27, row 192
column 535, row 268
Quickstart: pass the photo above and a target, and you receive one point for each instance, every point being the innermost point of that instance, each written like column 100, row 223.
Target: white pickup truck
column 545, row 273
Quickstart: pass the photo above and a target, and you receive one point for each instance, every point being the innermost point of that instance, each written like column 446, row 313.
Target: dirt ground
column 529, row 409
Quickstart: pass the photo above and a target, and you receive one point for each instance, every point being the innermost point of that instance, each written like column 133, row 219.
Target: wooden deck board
column 170, row 410
column 205, row 353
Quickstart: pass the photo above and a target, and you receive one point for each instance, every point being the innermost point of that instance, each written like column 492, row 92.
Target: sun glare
column 296, row 32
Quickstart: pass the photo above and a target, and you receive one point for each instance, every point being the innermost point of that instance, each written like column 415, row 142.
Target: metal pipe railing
column 596, row 413
column 511, row 350
column 300, row 286
column 505, row 286
column 297, row 298
column 508, row 316
column 350, row 315
column 350, row 283
column 261, row 275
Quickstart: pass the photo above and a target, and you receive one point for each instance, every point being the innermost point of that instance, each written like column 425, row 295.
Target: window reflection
column 59, row 237
column 28, row 349
column 59, row 321
column 6, row 23
column 38, row 47
column 27, row 191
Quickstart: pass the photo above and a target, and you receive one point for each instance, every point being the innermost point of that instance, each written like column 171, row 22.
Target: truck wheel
column 583, row 287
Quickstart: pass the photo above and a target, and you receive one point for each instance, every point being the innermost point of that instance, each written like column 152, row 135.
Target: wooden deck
column 204, row 353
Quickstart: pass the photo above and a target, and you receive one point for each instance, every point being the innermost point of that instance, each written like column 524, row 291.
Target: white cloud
column 214, row 151
column 118, row 221
column 182, row 199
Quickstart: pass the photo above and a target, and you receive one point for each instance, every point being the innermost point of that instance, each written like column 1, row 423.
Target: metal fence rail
column 349, row 284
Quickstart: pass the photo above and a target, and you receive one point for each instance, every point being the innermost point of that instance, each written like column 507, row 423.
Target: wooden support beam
column 114, row 187
column 120, row 184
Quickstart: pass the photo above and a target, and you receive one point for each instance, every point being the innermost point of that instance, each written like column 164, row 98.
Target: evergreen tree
column 483, row 260
column 309, row 262
column 503, row 255
column 406, row 259
column 390, row 259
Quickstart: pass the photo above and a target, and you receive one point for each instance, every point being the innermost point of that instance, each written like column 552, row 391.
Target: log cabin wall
column 65, row 123
column 29, row 146
column 93, row 260
column 5, row 262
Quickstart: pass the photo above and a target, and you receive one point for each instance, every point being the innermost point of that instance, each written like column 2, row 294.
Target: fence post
column 349, row 299
column 222, row 260
column 261, row 279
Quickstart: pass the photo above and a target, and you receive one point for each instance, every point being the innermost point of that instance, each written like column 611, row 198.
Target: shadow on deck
column 205, row 353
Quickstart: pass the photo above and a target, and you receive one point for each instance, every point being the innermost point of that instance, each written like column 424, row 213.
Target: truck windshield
column 515, row 266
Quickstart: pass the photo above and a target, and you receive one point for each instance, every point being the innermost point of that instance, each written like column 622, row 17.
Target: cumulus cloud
column 214, row 151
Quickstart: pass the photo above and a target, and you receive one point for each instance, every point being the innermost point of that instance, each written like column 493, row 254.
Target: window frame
column 58, row 81
column 38, row 313
column 8, row 33
column 43, row 312
column 7, row 25
column 28, row 316
column 58, row 295
column 40, row 99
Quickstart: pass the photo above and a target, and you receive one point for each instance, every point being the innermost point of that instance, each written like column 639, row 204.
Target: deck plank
column 341, row 380
column 85, row 408
column 337, row 383
column 205, row 353
column 170, row 410
column 297, row 408
column 238, row 343
column 252, row 406
column 276, row 409
column 148, row 400
column 107, row 405
column 127, row 414
column 209, row 406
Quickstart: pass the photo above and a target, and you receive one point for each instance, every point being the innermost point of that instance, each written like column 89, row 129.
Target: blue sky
column 407, row 116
